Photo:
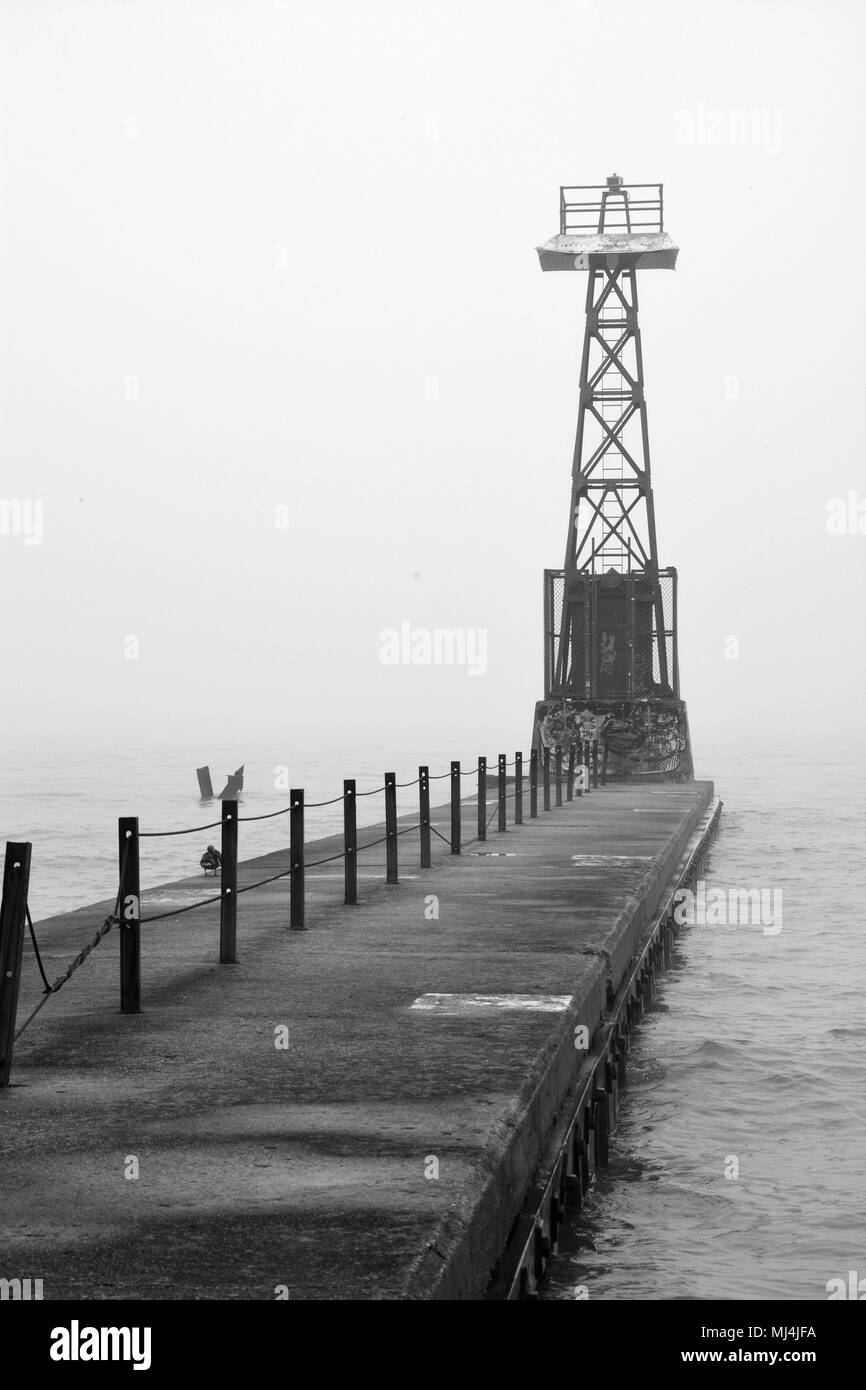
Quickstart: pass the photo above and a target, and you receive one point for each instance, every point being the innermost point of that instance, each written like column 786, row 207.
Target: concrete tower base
column 646, row 739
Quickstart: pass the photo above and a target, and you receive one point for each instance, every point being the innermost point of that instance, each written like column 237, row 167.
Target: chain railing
column 580, row 774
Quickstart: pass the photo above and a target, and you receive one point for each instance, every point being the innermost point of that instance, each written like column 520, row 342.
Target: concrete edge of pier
column 459, row 1263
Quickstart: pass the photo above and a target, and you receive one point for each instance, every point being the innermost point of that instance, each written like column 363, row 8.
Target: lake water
column 68, row 807
column 751, row 1061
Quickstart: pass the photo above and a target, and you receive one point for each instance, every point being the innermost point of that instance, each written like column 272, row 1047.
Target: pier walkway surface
column 385, row 1150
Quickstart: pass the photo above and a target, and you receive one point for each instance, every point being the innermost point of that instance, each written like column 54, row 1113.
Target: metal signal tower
column 611, row 664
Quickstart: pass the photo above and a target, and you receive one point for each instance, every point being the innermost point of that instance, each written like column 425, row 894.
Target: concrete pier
column 317, row 1121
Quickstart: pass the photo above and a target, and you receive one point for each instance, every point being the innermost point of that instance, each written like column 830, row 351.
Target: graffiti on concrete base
column 568, row 724
column 639, row 738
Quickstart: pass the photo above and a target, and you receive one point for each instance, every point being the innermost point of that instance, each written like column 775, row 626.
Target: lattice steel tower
column 610, row 613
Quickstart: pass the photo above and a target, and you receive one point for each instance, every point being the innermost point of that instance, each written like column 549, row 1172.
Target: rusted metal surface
column 643, row 250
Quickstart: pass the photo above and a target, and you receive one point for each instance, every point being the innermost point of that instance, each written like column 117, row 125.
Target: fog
column 280, row 365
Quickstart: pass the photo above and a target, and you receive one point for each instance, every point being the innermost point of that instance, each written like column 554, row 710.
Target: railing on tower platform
column 611, row 207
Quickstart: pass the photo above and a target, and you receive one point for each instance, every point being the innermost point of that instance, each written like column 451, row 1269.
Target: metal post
column 455, row 808
column 229, row 883
column 390, row 827
column 518, row 788
column 424, row 814
column 205, row 785
column 545, row 769
column 350, row 842
column 130, row 916
column 13, row 912
column 482, row 798
column 586, row 763
column 296, row 858
column 533, row 784
column 594, row 764
column 558, row 765
column 604, row 767
column 569, row 785
column 500, row 824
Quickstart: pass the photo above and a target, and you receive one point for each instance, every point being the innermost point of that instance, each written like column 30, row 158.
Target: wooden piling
column 455, row 808
column 391, row 827
column 518, row 788
column 482, row 798
column 350, row 842
column 501, row 804
column 229, row 883
column 130, row 915
column 13, row 915
column 601, row 1125
column 424, row 814
column 296, row 859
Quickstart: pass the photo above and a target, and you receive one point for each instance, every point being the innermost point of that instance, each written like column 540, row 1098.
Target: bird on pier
column 211, row 861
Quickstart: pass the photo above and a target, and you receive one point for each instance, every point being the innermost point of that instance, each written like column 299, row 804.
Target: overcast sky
column 265, row 256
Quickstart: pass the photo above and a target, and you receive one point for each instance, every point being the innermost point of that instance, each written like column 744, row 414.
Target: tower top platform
column 646, row 250
column 600, row 221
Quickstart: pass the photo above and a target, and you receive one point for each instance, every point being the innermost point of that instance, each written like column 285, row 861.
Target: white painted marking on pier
column 526, row 877
column 456, row 1004
column 152, row 898
column 338, row 873
column 494, row 853
column 599, row 860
